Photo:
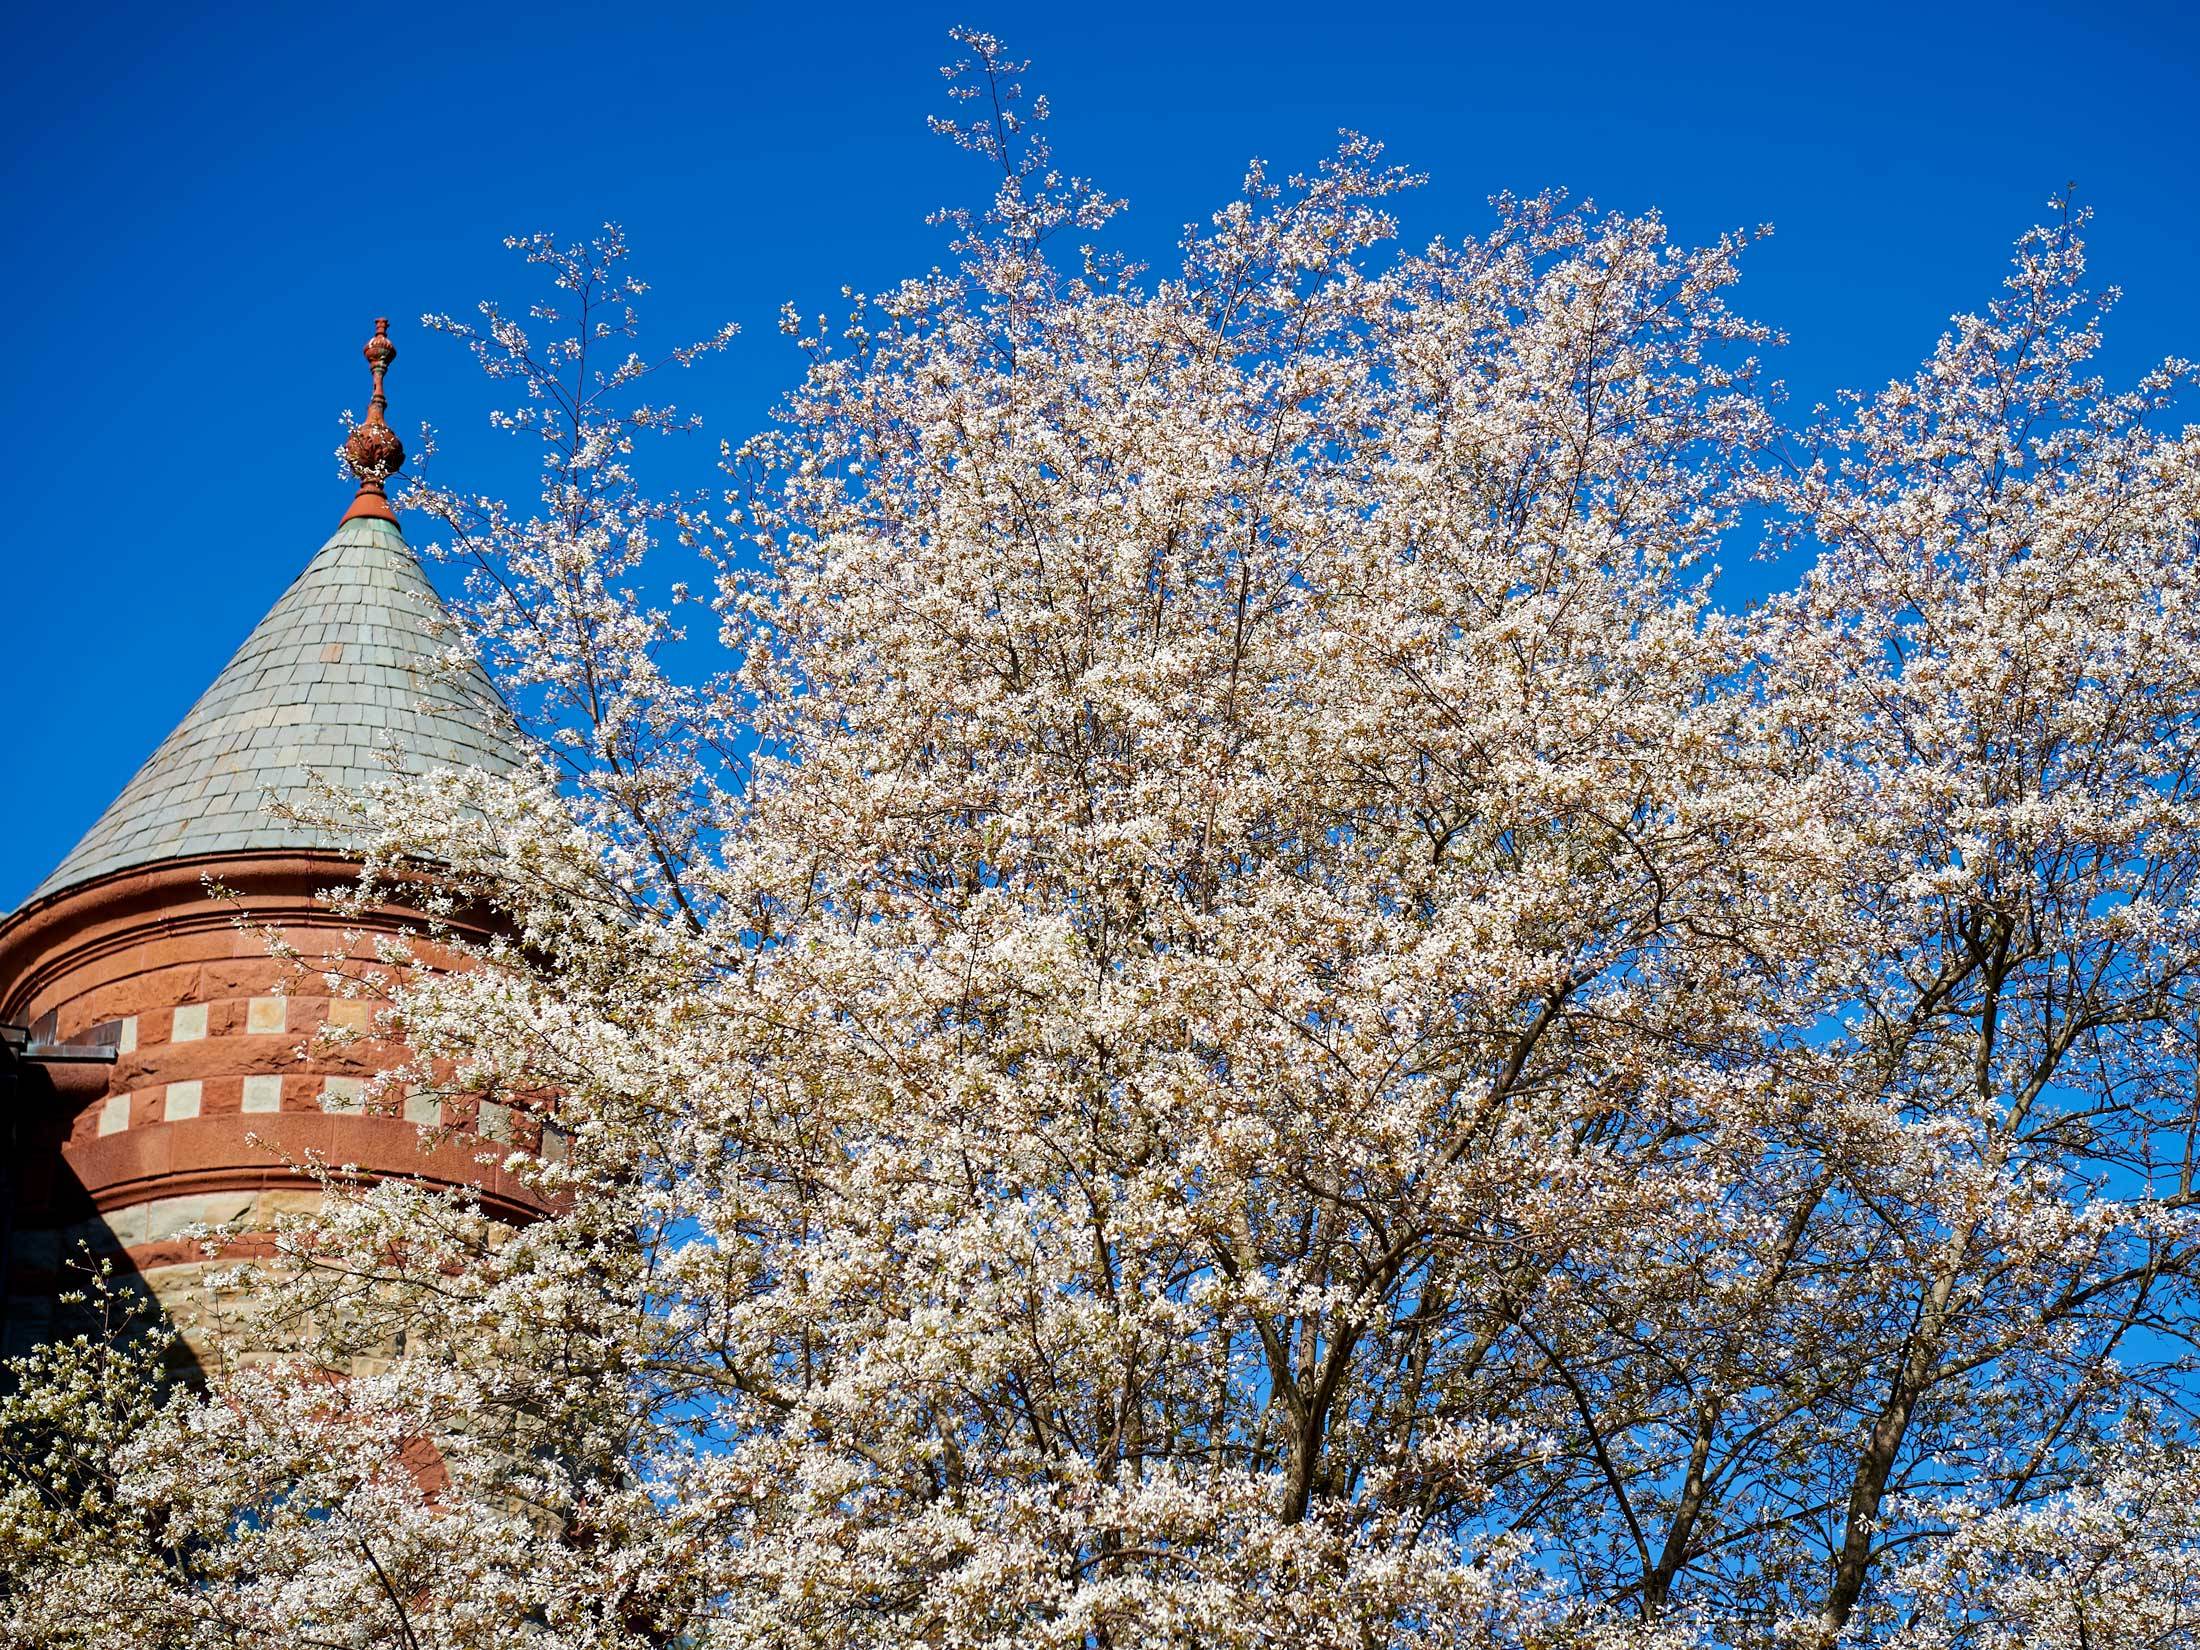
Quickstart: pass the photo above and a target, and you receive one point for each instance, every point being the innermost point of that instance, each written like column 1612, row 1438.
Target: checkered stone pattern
column 344, row 671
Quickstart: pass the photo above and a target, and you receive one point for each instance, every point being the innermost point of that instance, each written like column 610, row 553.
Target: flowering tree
column 1241, row 1015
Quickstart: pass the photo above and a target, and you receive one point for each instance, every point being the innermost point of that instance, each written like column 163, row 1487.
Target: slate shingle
column 278, row 710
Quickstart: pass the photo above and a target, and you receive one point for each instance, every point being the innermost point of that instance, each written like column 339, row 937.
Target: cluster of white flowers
column 1242, row 1016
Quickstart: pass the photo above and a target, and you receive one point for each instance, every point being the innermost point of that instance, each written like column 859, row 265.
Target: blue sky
column 206, row 212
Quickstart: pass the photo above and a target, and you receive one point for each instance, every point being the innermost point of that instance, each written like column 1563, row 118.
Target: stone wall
column 224, row 1075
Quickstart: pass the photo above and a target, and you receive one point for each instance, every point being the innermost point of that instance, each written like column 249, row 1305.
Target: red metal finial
column 373, row 450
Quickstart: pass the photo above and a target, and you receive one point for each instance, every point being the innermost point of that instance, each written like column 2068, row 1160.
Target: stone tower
column 159, row 1065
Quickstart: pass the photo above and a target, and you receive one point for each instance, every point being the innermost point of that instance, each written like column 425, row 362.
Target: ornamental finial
column 373, row 450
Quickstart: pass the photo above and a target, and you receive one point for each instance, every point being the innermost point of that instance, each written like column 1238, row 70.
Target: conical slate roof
column 346, row 668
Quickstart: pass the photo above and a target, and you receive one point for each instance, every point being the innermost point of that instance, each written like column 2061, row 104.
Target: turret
column 216, row 1079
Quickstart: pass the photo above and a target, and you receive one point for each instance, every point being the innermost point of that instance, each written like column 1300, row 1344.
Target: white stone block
column 263, row 1093
column 126, row 1043
column 189, row 1024
column 114, row 1114
column 118, row 1228
column 424, row 1109
column 167, row 1217
column 496, row 1122
column 341, row 1093
column 266, row 1014
column 182, row 1101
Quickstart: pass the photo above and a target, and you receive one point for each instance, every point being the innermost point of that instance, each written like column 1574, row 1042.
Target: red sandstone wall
column 221, row 1073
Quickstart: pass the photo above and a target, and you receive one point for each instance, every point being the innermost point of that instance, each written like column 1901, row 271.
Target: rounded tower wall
column 225, row 1074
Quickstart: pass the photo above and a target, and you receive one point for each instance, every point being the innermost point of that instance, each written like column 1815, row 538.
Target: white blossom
column 1238, row 1013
